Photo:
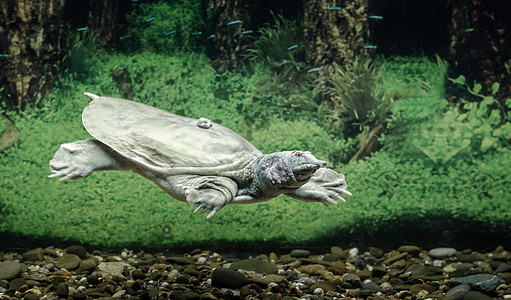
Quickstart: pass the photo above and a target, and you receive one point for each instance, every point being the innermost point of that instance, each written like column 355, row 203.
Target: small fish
column 313, row 70
column 170, row 32
column 82, row 29
column 376, row 17
column 123, row 37
column 125, row 67
column 135, row 0
column 371, row 47
column 150, row 19
column 292, row 47
column 234, row 22
column 197, row 33
column 334, row 8
column 247, row 32
column 4, row 55
column 210, row 37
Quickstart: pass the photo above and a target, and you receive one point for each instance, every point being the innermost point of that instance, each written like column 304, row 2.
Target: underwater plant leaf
column 503, row 131
column 460, row 80
column 477, row 88
column 494, row 118
column 495, row 87
column 487, row 143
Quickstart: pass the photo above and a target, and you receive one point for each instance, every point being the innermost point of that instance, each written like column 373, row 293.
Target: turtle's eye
column 297, row 153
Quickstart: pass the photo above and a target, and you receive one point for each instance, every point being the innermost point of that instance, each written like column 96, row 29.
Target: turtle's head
column 287, row 170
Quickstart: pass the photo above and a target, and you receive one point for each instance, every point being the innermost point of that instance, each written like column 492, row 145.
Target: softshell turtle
column 197, row 161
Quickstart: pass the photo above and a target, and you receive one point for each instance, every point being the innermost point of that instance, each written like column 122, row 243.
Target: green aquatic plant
column 463, row 130
column 355, row 95
column 163, row 27
column 279, row 43
column 81, row 51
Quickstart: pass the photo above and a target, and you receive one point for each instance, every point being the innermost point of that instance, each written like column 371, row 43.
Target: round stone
column 413, row 250
column 17, row 283
column 457, row 292
column 314, row 269
column 34, row 255
column 68, row 262
column 9, row 270
column 88, row 265
column 227, row 278
column 78, row 250
column 298, row 253
column 256, row 265
column 442, row 252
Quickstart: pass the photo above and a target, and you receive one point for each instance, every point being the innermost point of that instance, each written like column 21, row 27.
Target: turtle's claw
column 330, row 200
column 198, row 208
column 212, row 213
column 346, row 192
column 337, row 196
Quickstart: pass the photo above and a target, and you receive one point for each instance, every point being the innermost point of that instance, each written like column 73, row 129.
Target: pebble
column 112, row 268
column 484, row 282
column 34, row 255
column 325, row 286
column 256, row 265
column 17, row 283
column 458, row 292
column 442, row 252
column 475, row 295
column 314, row 269
column 68, row 262
column 299, row 253
column 227, row 278
column 87, row 266
column 9, row 269
column 78, row 250
column 335, row 250
column 423, row 270
column 413, row 250
column 62, row 290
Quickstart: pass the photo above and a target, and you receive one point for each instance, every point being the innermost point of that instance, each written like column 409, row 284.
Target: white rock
column 119, row 294
column 438, row 263
column 353, row 252
column 442, row 252
column 113, row 268
column 202, row 260
column 318, row 291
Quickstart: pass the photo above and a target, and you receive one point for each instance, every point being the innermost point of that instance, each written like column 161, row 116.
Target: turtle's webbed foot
column 71, row 161
column 210, row 194
column 205, row 201
column 326, row 185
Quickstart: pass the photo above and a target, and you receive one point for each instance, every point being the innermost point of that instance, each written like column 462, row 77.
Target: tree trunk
column 103, row 17
column 30, row 31
column 481, row 44
column 228, row 39
column 335, row 34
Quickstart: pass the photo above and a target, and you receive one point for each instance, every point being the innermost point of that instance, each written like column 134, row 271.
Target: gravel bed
column 407, row 272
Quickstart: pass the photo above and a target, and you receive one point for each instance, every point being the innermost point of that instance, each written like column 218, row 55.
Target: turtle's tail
column 91, row 96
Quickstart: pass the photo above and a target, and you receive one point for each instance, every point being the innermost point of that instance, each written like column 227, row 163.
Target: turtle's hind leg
column 79, row 159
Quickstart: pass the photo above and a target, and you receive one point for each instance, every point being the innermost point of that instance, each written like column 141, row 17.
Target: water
column 418, row 124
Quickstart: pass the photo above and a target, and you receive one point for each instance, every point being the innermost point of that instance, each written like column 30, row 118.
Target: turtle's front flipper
column 211, row 193
column 325, row 185
column 81, row 158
